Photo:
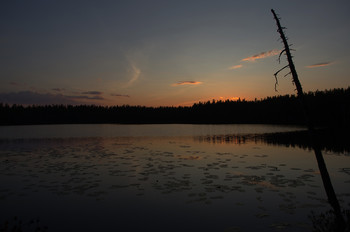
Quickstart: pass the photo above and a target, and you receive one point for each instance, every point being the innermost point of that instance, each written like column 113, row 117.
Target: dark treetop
column 332, row 108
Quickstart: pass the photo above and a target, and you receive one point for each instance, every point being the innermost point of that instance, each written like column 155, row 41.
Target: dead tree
column 332, row 198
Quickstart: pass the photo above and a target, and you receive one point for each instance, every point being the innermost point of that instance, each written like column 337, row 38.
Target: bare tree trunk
column 332, row 198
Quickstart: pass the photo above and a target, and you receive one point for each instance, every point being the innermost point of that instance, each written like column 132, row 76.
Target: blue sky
column 164, row 53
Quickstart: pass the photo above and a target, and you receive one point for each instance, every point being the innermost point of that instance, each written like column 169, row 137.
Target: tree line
column 328, row 108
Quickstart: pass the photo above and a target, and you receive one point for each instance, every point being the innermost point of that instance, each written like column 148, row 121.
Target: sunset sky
column 167, row 53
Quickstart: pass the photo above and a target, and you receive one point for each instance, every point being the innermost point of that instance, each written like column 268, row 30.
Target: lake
column 162, row 178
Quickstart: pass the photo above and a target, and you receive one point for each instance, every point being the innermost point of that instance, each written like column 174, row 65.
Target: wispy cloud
column 262, row 55
column 320, row 65
column 235, row 67
column 92, row 93
column 30, row 97
column 96, row 97
column 15, row 83
column 57, row 89
column 37, row 98
column 187, row 83
column 87, row 95
column 119, row 95
column 134, row 76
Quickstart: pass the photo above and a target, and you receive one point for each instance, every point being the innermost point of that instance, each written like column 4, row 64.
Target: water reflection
column 172, row 183
column 130, row 130
column 332, row 220
column 332, row 141
column 329, row 222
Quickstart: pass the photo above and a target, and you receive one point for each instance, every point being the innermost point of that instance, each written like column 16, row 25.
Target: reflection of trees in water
column 220, row 139
column 329, row 222
column 18, row 225
column 330, row 140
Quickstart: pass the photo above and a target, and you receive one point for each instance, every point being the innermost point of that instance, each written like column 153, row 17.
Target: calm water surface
column 161, row 178
column 118, row 130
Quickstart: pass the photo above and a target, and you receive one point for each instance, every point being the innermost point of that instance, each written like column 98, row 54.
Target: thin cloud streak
column 16, row 83
column 187, row 83
column 320, row 65
column 235, row 67
column 119, row 95
column 92, row 93
column 262, row 55
column 135, row 75
column 29, row 98
column 86, row 97
column 57, row 89
column 36, row 98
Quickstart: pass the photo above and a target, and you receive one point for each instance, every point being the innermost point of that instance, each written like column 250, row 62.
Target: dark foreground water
column 161, row 178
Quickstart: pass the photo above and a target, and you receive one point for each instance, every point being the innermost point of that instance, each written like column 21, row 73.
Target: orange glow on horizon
column 223, row 99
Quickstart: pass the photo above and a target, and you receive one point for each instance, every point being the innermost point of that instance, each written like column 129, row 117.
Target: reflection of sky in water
column 164, row 184
column 127, row 130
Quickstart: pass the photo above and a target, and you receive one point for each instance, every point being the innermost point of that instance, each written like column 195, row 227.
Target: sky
column 167, row 52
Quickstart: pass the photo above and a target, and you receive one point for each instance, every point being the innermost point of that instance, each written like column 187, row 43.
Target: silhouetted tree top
column 332, row 107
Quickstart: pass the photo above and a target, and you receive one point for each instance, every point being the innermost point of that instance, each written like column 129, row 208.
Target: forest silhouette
column 329, row 108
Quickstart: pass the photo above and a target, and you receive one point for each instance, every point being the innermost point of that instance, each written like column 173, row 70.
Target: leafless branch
column 276, row 73
column 279, row 57
column 288, row 74
column 276, row 83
